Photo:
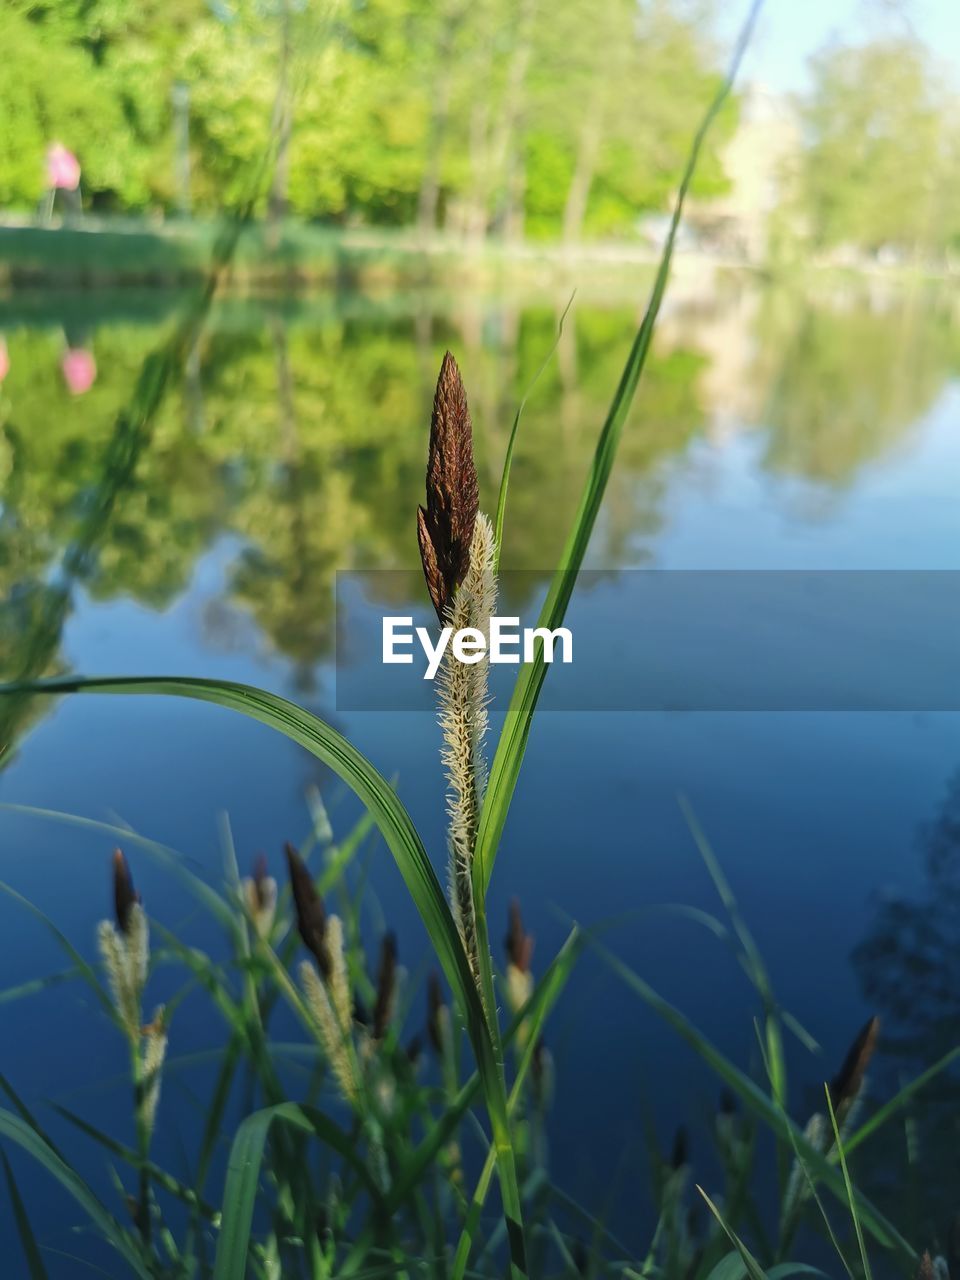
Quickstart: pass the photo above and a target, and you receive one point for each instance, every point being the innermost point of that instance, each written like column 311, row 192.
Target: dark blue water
column 824, row 437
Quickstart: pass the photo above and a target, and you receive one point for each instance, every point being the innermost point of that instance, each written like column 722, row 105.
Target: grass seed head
column 260, row 894
column 445, row 525
column 518, row 942
column 311, row 915
column 847, row 1083
column 386, row 987
column 124, row 894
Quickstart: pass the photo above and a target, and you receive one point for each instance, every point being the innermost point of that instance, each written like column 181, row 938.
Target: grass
column 372, row 1168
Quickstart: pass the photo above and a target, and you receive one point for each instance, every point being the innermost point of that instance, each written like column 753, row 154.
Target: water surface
column 773, row 430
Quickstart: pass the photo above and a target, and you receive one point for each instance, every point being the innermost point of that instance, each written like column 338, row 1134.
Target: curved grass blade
column 243, row 1176
column 550, row 988
column 851, row 1197
column 753, row 1267
column 511, row 746
column 27, row 1239
column 404, row 843
column 84, row 970
column 899, row 1100
column 757, row 1101
column 35, row 985
column 167, row 857
column 17, row 1130
column 508, row 456
column 752, row 959
column 133, row 1158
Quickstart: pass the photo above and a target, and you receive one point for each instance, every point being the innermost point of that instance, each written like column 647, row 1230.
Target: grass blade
column 753, row 1267
column 27, row 1240
column 508, row 456
column 402, row 839
column 851, row 1198
column 899, row 1100
column 243, row 1176
column 508, row 757
column 17, row 1130
column 757, row 1101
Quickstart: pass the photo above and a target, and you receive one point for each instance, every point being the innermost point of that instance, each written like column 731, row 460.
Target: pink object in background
column 79, row 370
column 4, row 359
column 63, row 168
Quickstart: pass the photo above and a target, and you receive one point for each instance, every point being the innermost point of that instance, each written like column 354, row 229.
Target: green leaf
column 402, row 839
column 17, row 1130
column 508, row 456
column 899, row 1100
column 757, row 1101
column 24, row 1230
column 851, row 1197
column 84, row 969
column 512, row 744
column 167, row 857
column 752, row 1266
column 243, row 1176
column 136, row 1161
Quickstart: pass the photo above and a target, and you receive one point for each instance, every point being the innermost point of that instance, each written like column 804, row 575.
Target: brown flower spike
column 518, row 943
column 436, row 1013
column 846, row 1084
column 311, row 915
column 124, row 894
column 445, row 525
column 386, row 987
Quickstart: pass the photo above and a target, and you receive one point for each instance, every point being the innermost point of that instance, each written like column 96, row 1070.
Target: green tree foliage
column 880, row 163
column 486, row 117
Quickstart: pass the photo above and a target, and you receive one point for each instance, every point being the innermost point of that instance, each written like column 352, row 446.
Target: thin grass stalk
column 508, row 757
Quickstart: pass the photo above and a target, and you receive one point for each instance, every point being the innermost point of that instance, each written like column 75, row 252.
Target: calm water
column 773, row 431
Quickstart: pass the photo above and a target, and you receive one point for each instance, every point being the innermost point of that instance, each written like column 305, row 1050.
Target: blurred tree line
column 881, row 161
column 476, row 116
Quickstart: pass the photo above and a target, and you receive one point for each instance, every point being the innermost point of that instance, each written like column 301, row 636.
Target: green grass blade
column 132, row 1158
column 508, row 456
column 851, row 1197
column 243, row 1176
column 537, row 1009
column 27, row 1239
column 166, row 857
column 511, row 746
column 753, row 960
column 535, row 1013
column 84, row 970
column 15, row 1129
column 36, row 985
column 899, row 1100
column 402, row 839
column 757, row 1101
column 753, row 1267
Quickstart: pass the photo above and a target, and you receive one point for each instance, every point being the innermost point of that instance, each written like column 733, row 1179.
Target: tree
column 879, row 149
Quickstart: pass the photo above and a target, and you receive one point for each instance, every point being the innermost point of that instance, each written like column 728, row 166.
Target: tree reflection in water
column 909, row 968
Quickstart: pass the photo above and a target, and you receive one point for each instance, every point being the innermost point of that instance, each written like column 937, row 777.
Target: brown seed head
column 311, row 916
column 445, row 525
column 846, row 1084
column 926, row 1269
column 518, row 942
column 386, row 987
column 435, row 1010
column 124, row 894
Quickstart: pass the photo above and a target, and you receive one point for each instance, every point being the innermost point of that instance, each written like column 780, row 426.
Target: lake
column 775, row 428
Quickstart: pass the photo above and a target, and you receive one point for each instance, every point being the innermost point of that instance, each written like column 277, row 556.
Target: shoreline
column 124, row 253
